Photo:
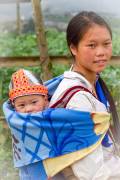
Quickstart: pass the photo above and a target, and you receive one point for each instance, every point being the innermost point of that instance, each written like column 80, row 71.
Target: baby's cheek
column 47, row 104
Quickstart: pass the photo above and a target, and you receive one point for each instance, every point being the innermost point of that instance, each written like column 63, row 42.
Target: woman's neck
column 91, row 77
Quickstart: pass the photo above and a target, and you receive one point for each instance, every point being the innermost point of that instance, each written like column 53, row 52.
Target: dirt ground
column 7, row 170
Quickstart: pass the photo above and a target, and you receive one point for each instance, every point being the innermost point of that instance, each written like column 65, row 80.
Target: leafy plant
column 26, row 44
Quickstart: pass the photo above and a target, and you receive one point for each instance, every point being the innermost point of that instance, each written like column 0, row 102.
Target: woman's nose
column 100, row 51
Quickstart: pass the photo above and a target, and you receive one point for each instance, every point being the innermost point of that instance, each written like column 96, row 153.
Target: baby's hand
column 49, row 178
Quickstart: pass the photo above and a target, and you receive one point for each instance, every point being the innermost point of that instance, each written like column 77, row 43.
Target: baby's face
column 30, row 103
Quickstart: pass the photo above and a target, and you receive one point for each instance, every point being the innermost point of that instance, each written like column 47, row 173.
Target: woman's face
column 93, row 51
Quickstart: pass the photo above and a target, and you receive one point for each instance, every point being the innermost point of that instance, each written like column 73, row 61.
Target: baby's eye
column 34, row 102
column 21, row 105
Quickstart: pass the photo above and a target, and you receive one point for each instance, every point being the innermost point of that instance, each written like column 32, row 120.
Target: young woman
column 89, row 39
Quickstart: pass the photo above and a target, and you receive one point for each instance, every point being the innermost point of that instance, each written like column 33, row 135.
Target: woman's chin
column 100, row 69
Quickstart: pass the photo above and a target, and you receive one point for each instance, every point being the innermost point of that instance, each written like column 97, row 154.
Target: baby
column 27, row 94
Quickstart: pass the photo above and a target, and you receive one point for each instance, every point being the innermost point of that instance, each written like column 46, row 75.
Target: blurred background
column 18, row 39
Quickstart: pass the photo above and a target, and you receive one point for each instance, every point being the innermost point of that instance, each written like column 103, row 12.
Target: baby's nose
column 28, row 109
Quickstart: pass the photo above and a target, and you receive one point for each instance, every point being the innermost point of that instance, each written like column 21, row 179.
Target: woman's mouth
column 100, row 62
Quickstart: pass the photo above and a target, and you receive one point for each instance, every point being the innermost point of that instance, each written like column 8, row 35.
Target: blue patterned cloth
column 50, row 133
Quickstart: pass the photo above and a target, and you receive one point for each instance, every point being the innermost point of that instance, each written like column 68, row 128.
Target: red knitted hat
column 23, row 82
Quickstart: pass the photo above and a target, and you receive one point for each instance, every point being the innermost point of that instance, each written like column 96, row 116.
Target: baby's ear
column 49, row 97
column 46, row 101
column 11, row 104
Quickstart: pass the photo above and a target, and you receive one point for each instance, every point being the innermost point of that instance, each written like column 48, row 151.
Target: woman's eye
column 91, row 45
column 107, row 44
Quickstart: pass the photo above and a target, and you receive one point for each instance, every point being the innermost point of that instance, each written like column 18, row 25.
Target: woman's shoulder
column 70, row 79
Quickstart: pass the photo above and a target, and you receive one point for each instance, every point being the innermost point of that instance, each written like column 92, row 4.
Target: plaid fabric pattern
column 29, row 139
column 50, row 133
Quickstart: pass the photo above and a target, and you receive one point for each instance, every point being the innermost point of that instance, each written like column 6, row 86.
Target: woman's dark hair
column 80, row 24
column 115, row 128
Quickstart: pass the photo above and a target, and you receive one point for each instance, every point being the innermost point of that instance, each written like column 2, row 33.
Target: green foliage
column 112, row 78
column 59, row 69
column 56, row 42
column 116, row 43
column 26, row 44
column 13, row 45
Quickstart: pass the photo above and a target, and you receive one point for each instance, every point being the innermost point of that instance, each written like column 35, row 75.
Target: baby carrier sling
column 46, row 128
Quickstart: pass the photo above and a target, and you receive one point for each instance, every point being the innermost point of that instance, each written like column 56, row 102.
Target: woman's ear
column 73, row 49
